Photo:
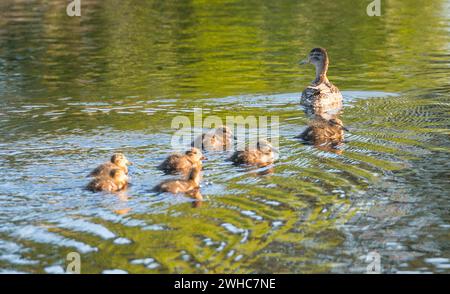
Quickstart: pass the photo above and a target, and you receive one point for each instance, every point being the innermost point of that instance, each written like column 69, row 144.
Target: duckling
column 321, row 96
column 118, row 161
column 189, row 186
column 218, row 139
column 262, row 156
column 116, row 181
column 324, row 132
column 178, row 162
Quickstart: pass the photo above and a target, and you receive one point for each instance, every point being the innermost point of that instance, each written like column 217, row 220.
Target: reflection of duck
column 218, row 139
column 189, row 186
column 182, row 163
column 263, row 155
column 118, row 161
column 117, row 180
column 324, row 132
column 321, row 96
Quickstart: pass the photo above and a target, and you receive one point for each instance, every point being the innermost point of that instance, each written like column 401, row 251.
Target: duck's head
column 264, row 146
column 195, row 154
column 120, row 160
column 224, row 131
column 118, row 176
column 317, row 56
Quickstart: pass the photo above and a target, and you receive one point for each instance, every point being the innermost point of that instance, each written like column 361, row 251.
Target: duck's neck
column 321, row 72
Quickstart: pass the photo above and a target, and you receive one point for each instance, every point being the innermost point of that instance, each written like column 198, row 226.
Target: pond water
column 75, row 90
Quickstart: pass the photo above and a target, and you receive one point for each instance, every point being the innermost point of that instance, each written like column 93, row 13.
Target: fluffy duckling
column 324, row 132
column 182, row 163
column 218, row 139
column 321, row 96
column 116, row 181
column 118, row 161
column 189, row 186
column 262, row 156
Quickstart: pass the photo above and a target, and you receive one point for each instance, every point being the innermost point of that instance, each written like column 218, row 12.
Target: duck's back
column 321, row 132
column 251, row 157
column 176, row 163
column 243, row 157
column 103, row 170
column 322, row 98
column 101, row 184
column 212, row 142
column 178, row 186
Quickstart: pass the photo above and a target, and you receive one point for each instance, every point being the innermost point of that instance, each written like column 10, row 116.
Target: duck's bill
column 304, row 61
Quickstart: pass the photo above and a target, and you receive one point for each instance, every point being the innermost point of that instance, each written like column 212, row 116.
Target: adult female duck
column 321, row 96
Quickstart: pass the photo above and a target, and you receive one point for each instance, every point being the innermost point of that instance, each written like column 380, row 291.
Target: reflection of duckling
column 263, row 155
column 182, row 163
column 117, row 180
column 189, row 186
column 321, row 96
column 215, row 140
column 324, row 132
column 118, row 161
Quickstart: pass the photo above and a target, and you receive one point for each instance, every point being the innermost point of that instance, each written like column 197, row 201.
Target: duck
column 189, row 186
column 324, row 131
column 218, row 139
column 182, row 163
column 118, row 161
column 262, row 156
column 115, row 181
column 321, row 95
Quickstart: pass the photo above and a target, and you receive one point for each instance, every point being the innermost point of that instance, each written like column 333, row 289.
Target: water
column 74, row 90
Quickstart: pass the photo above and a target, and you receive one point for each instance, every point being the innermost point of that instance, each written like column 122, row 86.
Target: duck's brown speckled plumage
column 218, row 139
column 182, row 163
column 324, row 132
column 263, row 155
column 189, row 186
column 118, row 161
column 115, row 181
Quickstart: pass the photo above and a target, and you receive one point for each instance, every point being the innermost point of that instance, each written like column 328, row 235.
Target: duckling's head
column 264, row 146
column 317, row 56
column 118, row 175
column 224, row 131
column 120, row 160
column 195, row 154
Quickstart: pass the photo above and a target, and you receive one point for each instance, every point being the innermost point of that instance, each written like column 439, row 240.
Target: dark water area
column 75, row 90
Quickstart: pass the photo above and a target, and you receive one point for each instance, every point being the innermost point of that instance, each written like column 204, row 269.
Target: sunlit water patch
column 310, row 203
